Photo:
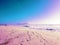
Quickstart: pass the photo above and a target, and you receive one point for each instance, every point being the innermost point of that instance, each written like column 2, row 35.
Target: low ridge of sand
column 17, row 35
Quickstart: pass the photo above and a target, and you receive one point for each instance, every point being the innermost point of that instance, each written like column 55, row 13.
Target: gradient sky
column 31, row 11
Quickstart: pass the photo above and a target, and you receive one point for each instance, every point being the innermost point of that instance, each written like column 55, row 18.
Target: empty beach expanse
column 19, row 35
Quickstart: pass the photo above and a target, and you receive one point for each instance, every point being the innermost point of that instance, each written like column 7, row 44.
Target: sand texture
column 17, row 35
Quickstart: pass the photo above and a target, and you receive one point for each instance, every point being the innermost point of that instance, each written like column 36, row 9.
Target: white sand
column 17, row 35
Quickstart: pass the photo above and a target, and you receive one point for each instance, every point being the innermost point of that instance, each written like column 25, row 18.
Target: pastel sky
column 30, row 11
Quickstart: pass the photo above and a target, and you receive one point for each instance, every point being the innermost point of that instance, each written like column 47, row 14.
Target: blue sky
column 16, row 11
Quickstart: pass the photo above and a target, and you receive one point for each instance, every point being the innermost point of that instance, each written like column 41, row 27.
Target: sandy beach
column 18, row 35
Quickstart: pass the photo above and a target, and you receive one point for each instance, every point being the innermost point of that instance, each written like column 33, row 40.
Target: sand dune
column 18, row 35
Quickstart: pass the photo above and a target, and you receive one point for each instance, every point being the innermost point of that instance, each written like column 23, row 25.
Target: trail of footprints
column 23, row 37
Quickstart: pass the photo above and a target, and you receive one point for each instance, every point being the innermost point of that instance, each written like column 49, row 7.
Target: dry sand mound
column 16, row 35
